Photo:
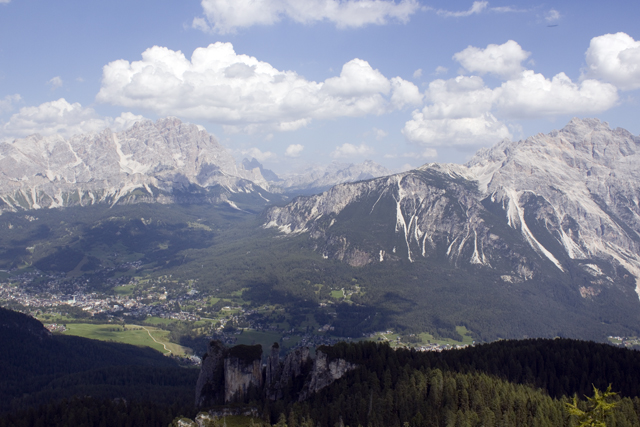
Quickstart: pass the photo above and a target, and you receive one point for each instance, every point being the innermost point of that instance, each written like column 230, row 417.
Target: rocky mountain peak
column 153, row 158
column 572, row 197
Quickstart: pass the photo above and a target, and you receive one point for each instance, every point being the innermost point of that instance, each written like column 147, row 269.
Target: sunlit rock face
column 563, row 201
column 147, row 162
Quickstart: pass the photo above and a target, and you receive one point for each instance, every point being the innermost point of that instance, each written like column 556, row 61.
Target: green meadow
column 131, row 334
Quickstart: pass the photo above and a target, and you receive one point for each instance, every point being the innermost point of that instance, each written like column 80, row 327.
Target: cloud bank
column 246, row 94
column 465, row 112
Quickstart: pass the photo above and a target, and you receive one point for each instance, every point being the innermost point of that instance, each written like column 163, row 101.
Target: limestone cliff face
column 324, row 373
column 290, row 374
column 241, row 375
column 227, row 375
column 232, row 375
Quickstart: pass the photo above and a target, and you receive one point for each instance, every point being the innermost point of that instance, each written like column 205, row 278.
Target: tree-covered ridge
column 39, row 368
column 560, row 366
column 506, row 383
column 469, row 387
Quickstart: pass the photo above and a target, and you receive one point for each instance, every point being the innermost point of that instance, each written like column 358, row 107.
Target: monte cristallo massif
column 165, row 161
column 566, row 204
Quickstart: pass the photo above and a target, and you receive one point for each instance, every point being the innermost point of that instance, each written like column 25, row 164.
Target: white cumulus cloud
column 357, row 79
column 616, row 59
column 404, row 93
column 503, row 60
column 463, row 96
column 532, row 95
column 457, row 132
column 294, row 150
column 245, row 94
column 350, row 150
column 61, row 117
column 226, row 16
column 7, row 103
column 465, row 112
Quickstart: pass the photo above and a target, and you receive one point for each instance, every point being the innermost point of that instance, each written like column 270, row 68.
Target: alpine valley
column 535, row 238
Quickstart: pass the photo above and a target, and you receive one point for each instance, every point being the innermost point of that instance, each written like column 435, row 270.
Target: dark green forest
column 506, row 383
column 37, row 368
column 53, row 381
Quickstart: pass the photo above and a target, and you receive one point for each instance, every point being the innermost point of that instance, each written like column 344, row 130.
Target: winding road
column 163, row 344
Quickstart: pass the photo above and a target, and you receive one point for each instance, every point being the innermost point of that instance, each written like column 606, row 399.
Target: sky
column 302, row 83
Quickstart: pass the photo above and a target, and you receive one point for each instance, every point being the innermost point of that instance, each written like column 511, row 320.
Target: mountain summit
column 149, row 161
column 566, row 204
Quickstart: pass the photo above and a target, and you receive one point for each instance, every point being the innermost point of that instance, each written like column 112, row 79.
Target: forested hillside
column 511, row 383
column 39, row 368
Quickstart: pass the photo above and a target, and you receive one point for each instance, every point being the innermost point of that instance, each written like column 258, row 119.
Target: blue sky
column 296, row 83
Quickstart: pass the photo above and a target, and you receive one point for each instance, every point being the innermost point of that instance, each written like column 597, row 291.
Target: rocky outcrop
column 288, row 375
column 235, row 375
column 273, row 366
column 324, row 373
column 242, row 372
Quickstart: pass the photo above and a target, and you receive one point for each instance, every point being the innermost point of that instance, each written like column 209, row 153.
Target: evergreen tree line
column 507, row 383
column 93, row 412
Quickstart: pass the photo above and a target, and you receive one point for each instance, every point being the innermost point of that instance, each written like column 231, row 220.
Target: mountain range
column 538, row 237
column 563, row 205
column 166, row 161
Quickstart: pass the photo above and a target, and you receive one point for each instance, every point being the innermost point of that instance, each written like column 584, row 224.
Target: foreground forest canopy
column 47, row 380
column 513, row 383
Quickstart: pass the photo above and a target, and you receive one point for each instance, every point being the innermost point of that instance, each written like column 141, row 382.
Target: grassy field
column 133, row 334
column 339, row 294
column 124, row 290
column 466, row 338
